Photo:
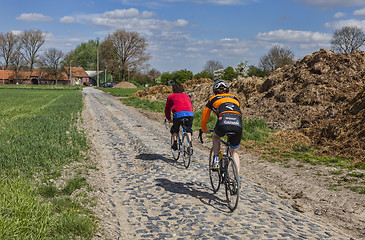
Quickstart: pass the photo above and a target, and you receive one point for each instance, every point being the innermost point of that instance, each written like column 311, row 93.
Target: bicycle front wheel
column 214, row 174
column 232, row 184
column 186, row 147
column 175, row 153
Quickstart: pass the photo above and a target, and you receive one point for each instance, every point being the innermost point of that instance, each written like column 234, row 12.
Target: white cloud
column 293, row 36
column 339, row 15
column 332, row 3
column 346, row 23
column 33, row 17
column 221, row 2
column 129, row 19
column 67, row 19
column 360, row 12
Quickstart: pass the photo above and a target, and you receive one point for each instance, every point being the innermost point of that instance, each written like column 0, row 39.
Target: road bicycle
column 184, row 146
column 226, row 174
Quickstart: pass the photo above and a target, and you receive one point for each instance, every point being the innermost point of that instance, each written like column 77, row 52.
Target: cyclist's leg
column 235, row 141
column 216, row 144
column 174, row 130
column 236, row 158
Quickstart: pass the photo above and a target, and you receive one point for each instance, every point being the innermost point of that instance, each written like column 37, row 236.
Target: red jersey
column 177, row 102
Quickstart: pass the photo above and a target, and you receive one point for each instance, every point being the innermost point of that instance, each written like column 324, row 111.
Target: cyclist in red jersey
column 179, row 104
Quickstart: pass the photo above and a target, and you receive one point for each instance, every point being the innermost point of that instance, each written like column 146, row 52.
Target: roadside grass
column 39, row 136
column 121, row 92
column 154, row 106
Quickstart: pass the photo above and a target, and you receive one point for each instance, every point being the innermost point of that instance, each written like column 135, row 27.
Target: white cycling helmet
column 220, row 84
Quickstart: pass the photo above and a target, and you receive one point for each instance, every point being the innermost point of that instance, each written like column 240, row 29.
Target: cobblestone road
column 154, row 197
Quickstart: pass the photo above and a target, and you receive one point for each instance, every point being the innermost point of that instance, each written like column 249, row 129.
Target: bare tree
column 212, row 65
column 32, row 41
column 51, row 60
column 276, row 58
column 347, row 39
column 130, row 49
column 17, row 61
column 8, row 46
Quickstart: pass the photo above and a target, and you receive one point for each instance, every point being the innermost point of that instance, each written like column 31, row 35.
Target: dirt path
column 144, row 194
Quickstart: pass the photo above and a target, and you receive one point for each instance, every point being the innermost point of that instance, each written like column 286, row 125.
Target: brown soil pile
column 323, row 96
column 125, row 85
column 154, row 93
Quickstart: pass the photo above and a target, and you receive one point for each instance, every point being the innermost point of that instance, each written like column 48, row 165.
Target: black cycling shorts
column 229, row 122
column 176, row 122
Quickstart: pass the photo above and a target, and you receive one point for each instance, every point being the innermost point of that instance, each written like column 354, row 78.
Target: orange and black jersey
column 219, row 104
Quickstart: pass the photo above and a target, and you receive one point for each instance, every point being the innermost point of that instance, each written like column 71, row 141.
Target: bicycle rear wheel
column 186, row 147
column 232, row 184
column 175, row 153
column 214, row 175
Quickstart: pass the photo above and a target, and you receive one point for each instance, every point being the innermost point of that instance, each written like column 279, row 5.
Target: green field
column 39, row 135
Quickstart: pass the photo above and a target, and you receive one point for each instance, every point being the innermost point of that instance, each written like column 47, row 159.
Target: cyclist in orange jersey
column 227, row 108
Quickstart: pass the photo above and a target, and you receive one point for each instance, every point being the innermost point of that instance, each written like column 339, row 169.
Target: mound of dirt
column 154, row 93
column 323, row 96
column 125, row 85
column 161, row 92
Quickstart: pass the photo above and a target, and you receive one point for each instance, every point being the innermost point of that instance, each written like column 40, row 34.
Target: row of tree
column 123, row 55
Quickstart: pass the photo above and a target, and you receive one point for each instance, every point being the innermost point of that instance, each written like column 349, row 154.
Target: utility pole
column 3, row 74
column 97, row 62
column 105, row 74
column 70, row 72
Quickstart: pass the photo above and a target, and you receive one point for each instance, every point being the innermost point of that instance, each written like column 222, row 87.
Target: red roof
column 77, row 72
column 10, row 74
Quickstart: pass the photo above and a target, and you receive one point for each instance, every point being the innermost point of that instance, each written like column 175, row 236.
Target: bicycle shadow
column 155, row 156
column 196, row 190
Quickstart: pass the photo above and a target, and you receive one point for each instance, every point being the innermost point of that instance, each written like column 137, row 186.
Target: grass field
column 39, row 136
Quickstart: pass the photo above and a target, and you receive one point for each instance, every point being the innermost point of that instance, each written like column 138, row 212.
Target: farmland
column 39, row 135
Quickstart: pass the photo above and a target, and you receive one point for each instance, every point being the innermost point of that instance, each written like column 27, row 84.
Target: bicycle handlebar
column 201, row 135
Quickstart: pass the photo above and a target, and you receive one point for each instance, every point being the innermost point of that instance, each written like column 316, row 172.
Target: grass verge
column 121, row 92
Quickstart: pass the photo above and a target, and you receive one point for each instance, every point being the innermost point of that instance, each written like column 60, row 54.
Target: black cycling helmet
column 220, row 85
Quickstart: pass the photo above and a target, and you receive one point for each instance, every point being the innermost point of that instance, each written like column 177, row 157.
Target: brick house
column 42, row 77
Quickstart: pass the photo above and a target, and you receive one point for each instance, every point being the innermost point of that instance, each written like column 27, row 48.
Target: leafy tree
column 166, row 77
column 32, row 41
column 241, row 69
column 176, row 77
column 212, row 65
column 276, row 58
column 347, row 39
column 84, row 55
column 230, row 74
column 203, row 74
column 255, row 71
column 182, row 76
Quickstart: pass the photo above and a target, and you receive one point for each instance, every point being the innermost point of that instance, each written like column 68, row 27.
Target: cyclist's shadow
column 154, row 156
column 196, row 190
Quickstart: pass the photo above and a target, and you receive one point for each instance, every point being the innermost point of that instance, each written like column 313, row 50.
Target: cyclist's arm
column 168, row 109
column 205, row 118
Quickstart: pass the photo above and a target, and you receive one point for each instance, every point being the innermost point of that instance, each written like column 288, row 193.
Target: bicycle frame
column 227, row 174
column 184, row 145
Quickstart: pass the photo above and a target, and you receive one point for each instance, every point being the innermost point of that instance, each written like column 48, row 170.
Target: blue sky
column 185, row 34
